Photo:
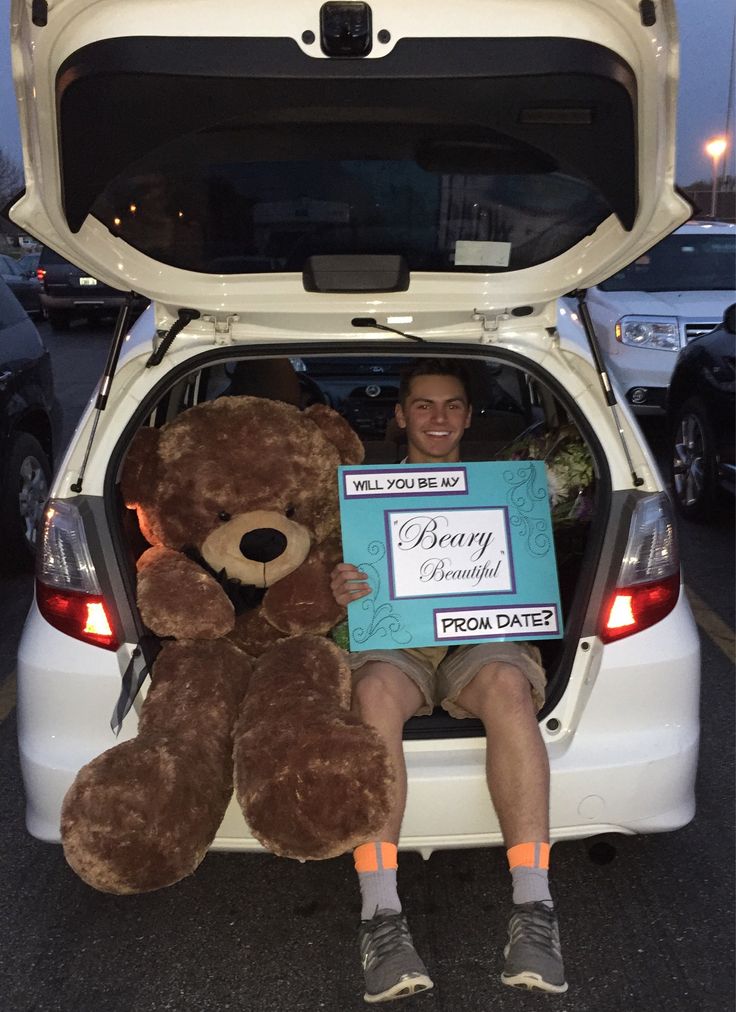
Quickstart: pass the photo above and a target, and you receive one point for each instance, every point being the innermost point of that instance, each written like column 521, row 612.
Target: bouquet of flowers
column 570, row 471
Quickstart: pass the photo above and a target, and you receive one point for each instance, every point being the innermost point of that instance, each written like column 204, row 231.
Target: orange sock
column 376, row 865
column 529, row 864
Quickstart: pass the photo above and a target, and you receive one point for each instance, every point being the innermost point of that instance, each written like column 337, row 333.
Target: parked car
column 69, row 293
column 29, row 421
column 329, row 218
column 29, row 262
column 701, row 409
column 644, row 314
column 20, row 277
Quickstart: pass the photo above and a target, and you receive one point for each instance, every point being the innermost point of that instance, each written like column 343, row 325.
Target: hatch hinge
column 223, row 326
column 489, row 324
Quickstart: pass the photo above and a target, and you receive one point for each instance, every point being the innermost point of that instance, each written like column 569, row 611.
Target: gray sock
column 378, row 892
column 531, row 885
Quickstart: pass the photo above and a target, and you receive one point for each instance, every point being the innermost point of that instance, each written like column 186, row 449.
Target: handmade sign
column 454, row 553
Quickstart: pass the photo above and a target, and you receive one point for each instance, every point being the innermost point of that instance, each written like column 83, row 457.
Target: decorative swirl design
column 522, row 497
column 381, row 619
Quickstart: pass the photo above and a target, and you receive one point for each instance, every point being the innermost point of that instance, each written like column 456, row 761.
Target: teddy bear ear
column 140, row 468
column 337, row 430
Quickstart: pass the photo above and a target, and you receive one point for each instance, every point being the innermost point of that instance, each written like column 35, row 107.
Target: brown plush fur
column 311, row 779
column 142, row 815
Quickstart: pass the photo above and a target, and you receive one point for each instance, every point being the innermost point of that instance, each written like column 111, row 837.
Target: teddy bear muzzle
column 257, row 548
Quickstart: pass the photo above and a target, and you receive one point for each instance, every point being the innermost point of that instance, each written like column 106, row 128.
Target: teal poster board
column 454, row 553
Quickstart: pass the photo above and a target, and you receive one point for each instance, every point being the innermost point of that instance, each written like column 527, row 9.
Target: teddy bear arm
column 303, row 601
column 177, row 598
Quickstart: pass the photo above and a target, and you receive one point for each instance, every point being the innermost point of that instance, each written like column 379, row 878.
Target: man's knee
column 499, row 686
column 385, row 690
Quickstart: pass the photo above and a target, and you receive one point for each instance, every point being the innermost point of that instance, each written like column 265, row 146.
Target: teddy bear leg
column 312, row 780
column 142, row 815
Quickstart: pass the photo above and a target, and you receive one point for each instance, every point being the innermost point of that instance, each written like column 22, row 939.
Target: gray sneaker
column 391, row 965
column 533, row 954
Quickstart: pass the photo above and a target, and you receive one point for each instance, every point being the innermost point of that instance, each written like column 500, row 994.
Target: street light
column 715, row 148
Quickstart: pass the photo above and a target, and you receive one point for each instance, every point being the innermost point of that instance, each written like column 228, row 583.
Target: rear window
column 245, row 201
column 681, row 263
column 48, row 256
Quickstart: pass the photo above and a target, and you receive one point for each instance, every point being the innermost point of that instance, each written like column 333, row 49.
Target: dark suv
column 29, row 420
column 69, row 293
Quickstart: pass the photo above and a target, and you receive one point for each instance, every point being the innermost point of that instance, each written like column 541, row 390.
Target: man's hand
column 348, row 583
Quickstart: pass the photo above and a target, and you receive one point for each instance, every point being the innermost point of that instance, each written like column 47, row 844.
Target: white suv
column 335, row 197
column 646, row 312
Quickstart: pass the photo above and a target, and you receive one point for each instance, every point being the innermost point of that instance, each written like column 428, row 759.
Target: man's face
column 435, row 416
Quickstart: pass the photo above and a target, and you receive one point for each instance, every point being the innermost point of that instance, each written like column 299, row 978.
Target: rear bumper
column 624, row 757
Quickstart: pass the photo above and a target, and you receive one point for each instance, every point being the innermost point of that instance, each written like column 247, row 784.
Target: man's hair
column 434, row 367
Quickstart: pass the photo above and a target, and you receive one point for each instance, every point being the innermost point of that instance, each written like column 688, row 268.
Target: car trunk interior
column 517, row 415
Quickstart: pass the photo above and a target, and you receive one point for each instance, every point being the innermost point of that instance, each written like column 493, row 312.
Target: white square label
column 478, row 253
column 454, row 551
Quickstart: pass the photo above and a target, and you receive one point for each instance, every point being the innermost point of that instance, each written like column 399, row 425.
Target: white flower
column 557, row 487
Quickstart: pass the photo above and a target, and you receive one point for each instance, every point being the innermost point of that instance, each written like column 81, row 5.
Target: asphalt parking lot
column 646, row 922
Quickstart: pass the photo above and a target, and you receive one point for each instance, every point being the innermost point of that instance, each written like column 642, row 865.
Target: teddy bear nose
column 264, row 544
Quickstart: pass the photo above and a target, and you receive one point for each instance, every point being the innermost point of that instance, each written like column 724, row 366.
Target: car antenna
column 121, row 327
column 368, row 321
column 608, row 390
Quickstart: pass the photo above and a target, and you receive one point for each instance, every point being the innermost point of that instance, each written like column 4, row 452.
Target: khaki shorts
column 441, row 673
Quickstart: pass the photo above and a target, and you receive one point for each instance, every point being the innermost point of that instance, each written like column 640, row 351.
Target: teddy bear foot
column 321, row 788
column 142, row 815
column 312, row 780
column 135, row 819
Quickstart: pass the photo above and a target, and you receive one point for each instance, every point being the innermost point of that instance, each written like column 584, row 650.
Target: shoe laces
column 384, row 936
column 536, row 925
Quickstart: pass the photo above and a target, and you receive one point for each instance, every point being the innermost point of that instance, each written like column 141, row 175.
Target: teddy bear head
column 248, row 483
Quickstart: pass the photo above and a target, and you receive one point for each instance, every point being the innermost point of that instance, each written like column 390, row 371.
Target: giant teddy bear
column 238, row 499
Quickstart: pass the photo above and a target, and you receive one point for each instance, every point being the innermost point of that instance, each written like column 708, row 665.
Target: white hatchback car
column 644, row 314
column 303, row 194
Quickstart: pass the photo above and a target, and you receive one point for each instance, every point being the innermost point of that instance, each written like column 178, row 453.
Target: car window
column 681, row 263
column 48, row 256
column 508, row 404
column 29, row 262
column 237, row 202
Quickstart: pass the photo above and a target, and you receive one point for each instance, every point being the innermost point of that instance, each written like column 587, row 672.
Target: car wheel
column 694, row 465
column 25, row 489
column 59, row 319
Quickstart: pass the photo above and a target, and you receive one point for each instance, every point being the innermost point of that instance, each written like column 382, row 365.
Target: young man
column 502, row 684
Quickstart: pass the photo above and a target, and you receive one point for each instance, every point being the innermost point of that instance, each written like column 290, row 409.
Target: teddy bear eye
column 290, row 511
column 223, row 515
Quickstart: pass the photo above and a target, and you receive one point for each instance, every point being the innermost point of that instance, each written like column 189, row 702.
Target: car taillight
column 82, row 616
column 648, row 583
column 40, row 273
column 68, row 593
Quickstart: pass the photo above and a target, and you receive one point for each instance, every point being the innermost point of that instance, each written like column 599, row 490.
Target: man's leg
column 385, row 698
column 517, row 770
column 517, row 767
